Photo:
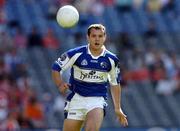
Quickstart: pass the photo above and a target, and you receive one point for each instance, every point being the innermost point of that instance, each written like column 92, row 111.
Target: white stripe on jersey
column 113, row 75
column 87, row 75
column 68, row 62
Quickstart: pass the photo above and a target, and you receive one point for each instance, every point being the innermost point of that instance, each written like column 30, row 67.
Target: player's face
column 96, row 39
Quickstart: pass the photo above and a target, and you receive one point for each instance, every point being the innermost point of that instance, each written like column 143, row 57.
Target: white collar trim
column 96, row 57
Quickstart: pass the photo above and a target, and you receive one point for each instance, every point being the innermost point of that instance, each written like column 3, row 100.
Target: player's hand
column 121, row 117
column 63, row 87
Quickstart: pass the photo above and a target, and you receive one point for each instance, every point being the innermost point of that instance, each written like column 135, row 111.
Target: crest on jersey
column 62, row 60
column 103, row 64
column 118, row 68
column 63, row 57
column 84, row 62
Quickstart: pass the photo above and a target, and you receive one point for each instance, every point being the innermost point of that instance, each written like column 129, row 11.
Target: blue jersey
column 90, row 75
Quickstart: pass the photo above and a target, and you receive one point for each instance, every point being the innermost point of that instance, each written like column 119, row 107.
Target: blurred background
column 145, row 34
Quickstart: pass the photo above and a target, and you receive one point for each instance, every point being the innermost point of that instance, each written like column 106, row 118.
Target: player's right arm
column 59, row 65
column 64, row 62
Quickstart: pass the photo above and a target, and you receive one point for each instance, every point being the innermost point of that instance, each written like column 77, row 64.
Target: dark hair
column 97, row 27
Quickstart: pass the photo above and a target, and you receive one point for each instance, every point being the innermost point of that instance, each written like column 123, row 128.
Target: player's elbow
column 55, row 76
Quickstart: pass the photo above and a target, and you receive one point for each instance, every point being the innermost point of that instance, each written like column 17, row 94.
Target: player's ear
column 105, row 37
column 87, row 37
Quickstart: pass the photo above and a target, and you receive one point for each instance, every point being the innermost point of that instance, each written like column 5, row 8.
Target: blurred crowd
column 19, row 103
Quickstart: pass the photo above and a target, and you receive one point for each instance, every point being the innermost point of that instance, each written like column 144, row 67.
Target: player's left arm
column 116, row 92
column 116, row 96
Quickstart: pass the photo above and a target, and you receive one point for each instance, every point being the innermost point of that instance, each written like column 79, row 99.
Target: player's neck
column 96, row 52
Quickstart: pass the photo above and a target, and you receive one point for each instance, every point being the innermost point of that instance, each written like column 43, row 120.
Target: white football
column 67, row 16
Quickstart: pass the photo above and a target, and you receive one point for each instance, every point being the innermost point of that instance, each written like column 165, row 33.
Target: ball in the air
column 67, row 16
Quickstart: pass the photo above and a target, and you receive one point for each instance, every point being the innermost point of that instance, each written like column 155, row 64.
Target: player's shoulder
column 111, row 55
column 76, row 50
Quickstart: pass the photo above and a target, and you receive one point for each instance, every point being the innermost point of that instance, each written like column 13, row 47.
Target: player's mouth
column 97, row 44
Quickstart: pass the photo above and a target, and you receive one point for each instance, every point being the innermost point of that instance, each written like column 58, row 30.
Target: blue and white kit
column 90, row 75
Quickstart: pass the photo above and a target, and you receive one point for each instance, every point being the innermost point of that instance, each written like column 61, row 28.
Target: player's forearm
column 56, row 78
column 116, row 96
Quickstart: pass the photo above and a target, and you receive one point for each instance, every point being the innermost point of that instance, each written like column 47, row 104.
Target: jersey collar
column 96, row 57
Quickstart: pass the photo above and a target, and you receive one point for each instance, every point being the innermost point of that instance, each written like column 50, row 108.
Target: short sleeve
column 114, row 74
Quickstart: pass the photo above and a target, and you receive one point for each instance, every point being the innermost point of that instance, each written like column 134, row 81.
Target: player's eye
column 93, row 36
column 100, row 36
